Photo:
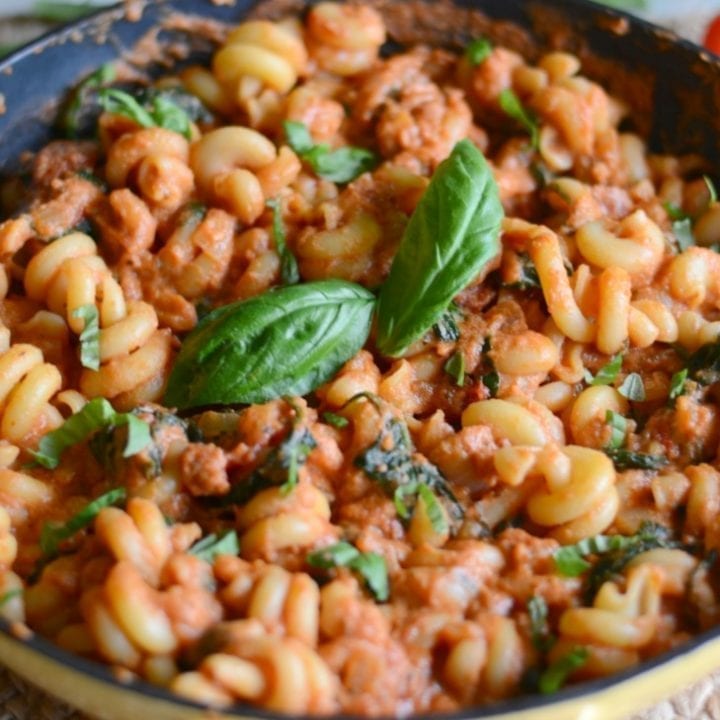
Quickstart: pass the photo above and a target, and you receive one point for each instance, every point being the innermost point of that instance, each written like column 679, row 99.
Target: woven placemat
column 21, row 701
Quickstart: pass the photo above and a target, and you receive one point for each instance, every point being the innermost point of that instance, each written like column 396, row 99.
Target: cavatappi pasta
column 526, row 495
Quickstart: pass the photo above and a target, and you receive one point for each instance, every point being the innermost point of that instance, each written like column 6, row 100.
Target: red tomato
column 712, row 36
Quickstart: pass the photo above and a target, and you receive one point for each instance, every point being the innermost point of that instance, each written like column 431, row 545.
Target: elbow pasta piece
column 240, row 168
column 134, row 354
column 343, row 39
column 578, row 499
column 280, row 674
column 8, row 543
column 266, row 51
column 518, row 421
column 275, row 524
column 614, row 292
column 157, row 160
column 694, row 277
column 285, row 603
column 27, row 385
column 637, row 246
column 651, row 321
column 544, row 249
column 623, row 620
column 694, row 330
column 588, row 416
column 197, row 255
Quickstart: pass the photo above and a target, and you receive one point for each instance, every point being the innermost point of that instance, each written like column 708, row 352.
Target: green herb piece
column 81, row 103
column 61, row 12
column 540, row 633
column 478, row 51
column 337, row 421
column 528, row 274
column 683, row 231
column 512, row 107
column 455, row 368
column 122, row 103
column 433, row 509
column 451, row 236
column 703, row 365
column 491, row 381
column 613, row 553
column 370, row 566
column 675, row 212
column 289, row 272
column 607, row 374
column 170, row 116
column 446, row 328
column 178, row 96
column 626, row 4
column 629, row 460
column 677, row 384
column 207, row 549
column 633, row 388
column 552, row 679
column 341, row 165
column 391, row 461
column 285, row 342
column 711, row 189
column 6, row 597
column 618, row 426
column 613, row 561
column 53, row 534
column 98, row 414
column 163, row 112
column 89, row 337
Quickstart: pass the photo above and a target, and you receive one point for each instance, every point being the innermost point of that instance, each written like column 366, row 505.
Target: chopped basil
column 370, row 566
column 677, row 384
column 711, row 188
column 512, row 107
column 618, row 427
column 552, row 679
column 341, row 165
column 337, row 421
column 53, row 534
column 6, row 597
column 528, row 277
column 163, row 112
column 432, row 508
column 207, row 549
column 629, row 459
column 613, row 553
column 704, row 364
column 607, row 374
column 455, row 368
column 683, row 231
column 478, row 51
column 79, row 113
column 540, row 633
column 675, row 212
column 391, row 461
column 633, row 388
column 491, row 381
column 90, row 336
column 289, row 272
column 98, row 414
column 446, row 328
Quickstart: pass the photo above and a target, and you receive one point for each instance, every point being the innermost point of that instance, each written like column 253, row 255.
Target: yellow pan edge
column 109, row 700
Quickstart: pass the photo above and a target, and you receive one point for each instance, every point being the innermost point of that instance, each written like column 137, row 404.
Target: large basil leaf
column 451, row 236
column 284, row 342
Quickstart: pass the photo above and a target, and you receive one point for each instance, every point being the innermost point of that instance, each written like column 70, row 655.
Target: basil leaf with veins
column 285, row 342
column 452, row 235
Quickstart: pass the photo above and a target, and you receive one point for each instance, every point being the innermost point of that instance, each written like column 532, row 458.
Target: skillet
column 673, row 88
